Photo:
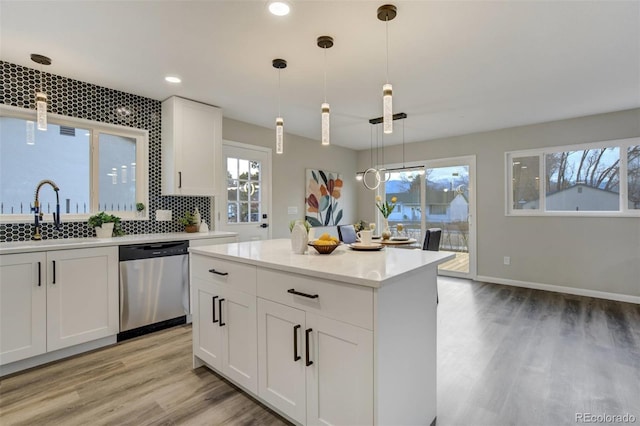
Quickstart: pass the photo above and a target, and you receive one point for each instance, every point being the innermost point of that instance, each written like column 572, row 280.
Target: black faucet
column 37, row 214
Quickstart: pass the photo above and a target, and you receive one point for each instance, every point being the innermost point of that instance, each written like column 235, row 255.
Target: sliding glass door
column 440, row 195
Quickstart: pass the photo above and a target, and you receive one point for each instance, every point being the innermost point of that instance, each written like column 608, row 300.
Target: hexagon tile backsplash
column 84, row 100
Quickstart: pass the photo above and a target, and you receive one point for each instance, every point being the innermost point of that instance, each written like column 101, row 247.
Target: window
column 577, row 180
column 243, row 190
column 97, row 167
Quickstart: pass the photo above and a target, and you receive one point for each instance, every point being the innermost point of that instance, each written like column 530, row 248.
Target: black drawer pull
column 222, row 324
column 179, row 179
column 297, row 293
column 306, row 335
column 213, row 271
column 54, row 271
column 213, row 307
column 296, row 357
column 39, row 274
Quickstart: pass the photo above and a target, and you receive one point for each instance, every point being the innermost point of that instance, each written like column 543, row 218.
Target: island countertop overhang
column 367, row 268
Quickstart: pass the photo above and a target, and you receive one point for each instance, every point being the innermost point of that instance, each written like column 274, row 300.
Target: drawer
column 344, row 302
column 237, row 276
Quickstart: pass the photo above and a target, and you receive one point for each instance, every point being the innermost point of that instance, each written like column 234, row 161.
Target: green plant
column 99, row 218
column 306, row 224
column 385, row 208
column 139, row 207
column 188, row 219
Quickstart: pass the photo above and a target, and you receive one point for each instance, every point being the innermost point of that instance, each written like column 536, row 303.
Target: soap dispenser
column 203, row 227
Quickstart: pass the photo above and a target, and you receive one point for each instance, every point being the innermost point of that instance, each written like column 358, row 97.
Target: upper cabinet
column 191, row 147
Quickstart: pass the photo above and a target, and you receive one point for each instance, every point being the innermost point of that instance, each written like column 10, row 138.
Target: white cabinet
column 191, row 147
column 82, row 296
column 56, row 299
column 23, row 306
column 316, row 370
column 224, row 319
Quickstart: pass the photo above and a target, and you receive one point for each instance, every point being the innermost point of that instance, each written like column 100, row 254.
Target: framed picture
column 322, row 198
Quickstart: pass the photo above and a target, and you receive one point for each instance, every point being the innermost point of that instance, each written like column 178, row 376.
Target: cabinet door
column 281, row 363
column 207, row 333
column 238, row 323
column 191, row 147
column 23, row 309
column 340, row 381
column 82, row 296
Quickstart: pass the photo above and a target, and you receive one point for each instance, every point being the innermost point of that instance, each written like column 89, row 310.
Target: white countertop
column 368, row 268
column 74, row 243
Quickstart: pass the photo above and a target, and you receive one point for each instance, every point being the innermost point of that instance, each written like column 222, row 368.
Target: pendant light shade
column 41, row 108
column 279, row 135
column 279, row 64
column 386, row 13
column 325, row 124
column 41, row 96
column 387, row 108
column 325, row 42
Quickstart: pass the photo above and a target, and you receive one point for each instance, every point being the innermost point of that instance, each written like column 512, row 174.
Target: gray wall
column 591, row 253
column 288, row 170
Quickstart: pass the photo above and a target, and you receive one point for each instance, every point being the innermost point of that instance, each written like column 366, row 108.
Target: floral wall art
column 322, row 199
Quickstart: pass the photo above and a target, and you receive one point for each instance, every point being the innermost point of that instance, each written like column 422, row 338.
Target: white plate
column 369, row 247
column 399, row 238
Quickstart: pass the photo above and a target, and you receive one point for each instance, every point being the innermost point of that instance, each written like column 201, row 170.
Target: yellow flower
column 378, row 198
column 394, row 199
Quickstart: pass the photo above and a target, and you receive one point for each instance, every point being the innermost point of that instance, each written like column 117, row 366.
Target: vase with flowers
column 386, row 209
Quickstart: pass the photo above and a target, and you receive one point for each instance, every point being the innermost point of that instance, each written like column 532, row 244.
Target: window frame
column 95, row 128
column 624, row 211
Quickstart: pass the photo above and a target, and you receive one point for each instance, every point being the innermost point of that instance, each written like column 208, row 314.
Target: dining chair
column 432, row 243
column 347, row 234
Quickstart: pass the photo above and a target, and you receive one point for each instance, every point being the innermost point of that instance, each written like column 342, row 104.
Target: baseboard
column 562, row 289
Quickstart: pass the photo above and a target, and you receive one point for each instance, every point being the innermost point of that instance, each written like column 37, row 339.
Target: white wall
column 601, row 254
column 288, row 170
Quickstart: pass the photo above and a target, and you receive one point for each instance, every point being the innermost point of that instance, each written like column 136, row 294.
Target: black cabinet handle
column 213, row 271
column 179, row 179
column 54, row 271
column 295, row 343
column 306, row 336
column 310, row 296
column 39, row 274
column 222, row 324
column 213, row 306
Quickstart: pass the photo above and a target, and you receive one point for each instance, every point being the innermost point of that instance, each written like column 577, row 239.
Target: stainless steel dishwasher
column 154, row 287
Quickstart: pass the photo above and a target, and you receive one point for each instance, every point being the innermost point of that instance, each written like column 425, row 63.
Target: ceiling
column 457, row 67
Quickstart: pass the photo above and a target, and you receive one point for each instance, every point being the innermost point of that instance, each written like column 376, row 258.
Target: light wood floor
column 459, row 264
column 506, row 356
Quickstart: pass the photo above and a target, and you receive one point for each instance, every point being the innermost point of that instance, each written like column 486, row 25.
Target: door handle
column 222, row 324
column 54, row 272
column 264, row 225
column 179, row 179
column 296, row 357
column 39, row 274
column 213, row 306
column 306, row 337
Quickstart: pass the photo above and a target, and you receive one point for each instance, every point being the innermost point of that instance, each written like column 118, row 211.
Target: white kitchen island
column 344, row 339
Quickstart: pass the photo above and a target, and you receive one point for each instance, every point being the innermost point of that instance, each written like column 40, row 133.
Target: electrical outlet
column 163, row 215
column 507, row 260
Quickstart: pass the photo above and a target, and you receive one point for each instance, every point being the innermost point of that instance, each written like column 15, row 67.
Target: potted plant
column 140, row 209
column 106, row 225
column 189, row 222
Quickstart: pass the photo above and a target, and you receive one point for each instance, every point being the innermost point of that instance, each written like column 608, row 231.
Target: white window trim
column 624, row 211
column 95, row 128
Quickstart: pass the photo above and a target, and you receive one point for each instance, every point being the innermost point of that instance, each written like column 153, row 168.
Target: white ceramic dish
column 366, row 247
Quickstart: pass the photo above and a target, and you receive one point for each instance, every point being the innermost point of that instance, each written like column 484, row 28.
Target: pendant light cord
column 386, row 25
column 279, row 115
column 403, row 144
column 325, row 74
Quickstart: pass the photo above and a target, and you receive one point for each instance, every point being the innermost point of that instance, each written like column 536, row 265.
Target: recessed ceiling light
column 279, row 8
column 172, row 79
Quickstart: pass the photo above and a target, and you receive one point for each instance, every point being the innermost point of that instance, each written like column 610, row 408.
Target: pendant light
column 386, row 13
column 41, row 96
column 325, row 42
column 279, row 64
